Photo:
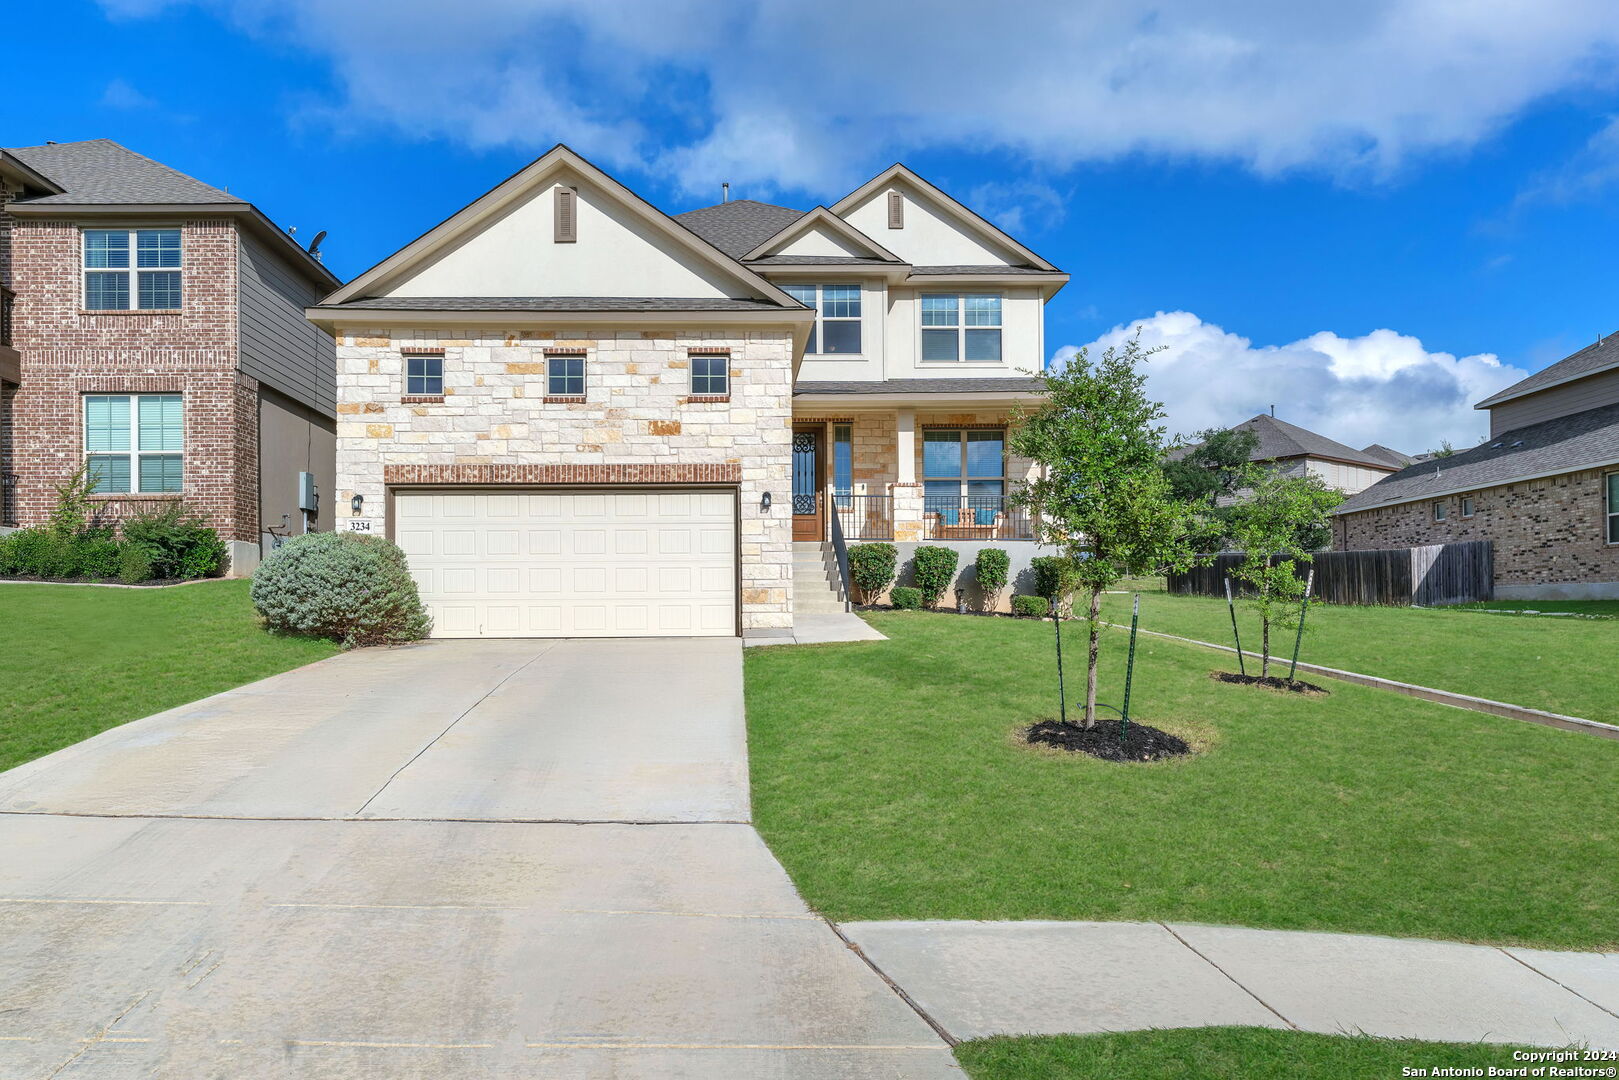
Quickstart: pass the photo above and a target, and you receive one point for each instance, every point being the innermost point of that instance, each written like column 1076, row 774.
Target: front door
column 808, row 504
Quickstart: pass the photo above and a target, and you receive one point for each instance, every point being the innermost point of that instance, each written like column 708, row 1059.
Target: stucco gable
column 822, row 234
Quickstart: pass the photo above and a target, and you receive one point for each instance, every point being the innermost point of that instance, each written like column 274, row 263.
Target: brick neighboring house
column 1544, row 488
column 154, row 326
column 581, row 416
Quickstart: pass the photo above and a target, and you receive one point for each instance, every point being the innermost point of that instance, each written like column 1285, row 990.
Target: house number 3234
column 359, row 525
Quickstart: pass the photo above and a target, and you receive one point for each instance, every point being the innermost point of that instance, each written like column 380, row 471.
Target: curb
column 1426, row 693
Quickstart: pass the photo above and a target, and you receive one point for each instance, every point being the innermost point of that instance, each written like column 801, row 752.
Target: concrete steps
column 816, row 589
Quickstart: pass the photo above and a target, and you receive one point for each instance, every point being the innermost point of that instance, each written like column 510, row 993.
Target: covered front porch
column 906, row 473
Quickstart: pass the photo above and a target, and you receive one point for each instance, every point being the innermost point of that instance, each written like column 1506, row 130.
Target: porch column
column 906, row 491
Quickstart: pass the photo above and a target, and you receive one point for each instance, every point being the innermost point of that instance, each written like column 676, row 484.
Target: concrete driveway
column 468, row 859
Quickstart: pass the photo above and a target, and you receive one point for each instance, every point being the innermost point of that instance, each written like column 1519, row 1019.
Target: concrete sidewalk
column 993, row 978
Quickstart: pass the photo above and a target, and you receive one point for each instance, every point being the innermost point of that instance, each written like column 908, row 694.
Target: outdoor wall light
column 764, row 502
column 356, row 504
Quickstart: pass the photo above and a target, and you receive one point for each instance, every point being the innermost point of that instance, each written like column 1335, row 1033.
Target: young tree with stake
column 1270, row 528
column 1101, row 497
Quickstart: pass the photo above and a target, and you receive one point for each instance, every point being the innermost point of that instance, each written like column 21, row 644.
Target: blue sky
column 1370, row 217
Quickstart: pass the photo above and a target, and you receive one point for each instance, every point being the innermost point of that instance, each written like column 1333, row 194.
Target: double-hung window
column 1613, row 508
column 133, row 442
column 565, row 376
column 424, row 375
column 964, row 327
column 131, row 269
column 711, row 375
column 837, row 317
column 964, row 475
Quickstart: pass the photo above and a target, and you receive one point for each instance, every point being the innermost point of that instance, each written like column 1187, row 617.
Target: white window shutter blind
column 567, row 216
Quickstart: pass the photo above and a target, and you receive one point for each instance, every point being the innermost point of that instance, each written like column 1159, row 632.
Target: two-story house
column 1297, row 451
column 581, row 416
column 1543, row 489
column 153, row 329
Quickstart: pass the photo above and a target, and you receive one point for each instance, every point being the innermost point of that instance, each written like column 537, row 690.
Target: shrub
column 905, row 598
column 40, row 552
column 179, row 542
column 1055, row 577
column 872, row 568
column 1030, row 607
column 346, row 586
column 934, row 568
column 992, row 567
column 134, row 565
column 95, row 555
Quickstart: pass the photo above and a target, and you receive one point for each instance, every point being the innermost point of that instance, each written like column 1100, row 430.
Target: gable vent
column 896, row 210
column 567, row 216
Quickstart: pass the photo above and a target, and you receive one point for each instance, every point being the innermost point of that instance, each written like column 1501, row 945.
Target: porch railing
column 865, row 517
column 973, row 517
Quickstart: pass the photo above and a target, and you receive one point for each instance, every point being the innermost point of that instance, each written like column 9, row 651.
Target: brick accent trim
column 570, row 351
column 491, row 475
column 564, row 399
column 823, row 419
column 702, row 399
column 130, row 384
column 425, row 350
column 421, row 399
column 708, row 351
column 988, row 425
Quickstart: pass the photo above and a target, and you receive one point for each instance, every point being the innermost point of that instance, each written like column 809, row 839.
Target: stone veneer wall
column 638, row 412
column 1546, row 532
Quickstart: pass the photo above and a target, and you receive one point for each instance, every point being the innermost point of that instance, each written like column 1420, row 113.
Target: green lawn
column 1608, row 609
column 887, row 778
column 1563, row 665
column 78, row 660
column 1221, row 1053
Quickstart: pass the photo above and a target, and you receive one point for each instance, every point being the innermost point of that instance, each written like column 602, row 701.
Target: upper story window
column 565, row 376
column 711, row 375
column 1613, row 508
column 964, row 327
column 837, row 316
column 131, row 269
column 133, row 442
column 424, row 375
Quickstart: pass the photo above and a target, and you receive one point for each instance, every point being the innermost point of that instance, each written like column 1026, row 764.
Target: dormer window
column 961, row 328
column 131, row 269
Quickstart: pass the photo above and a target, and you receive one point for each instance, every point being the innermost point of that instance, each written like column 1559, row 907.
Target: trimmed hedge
column 872, row 567
column 1031, row 607
column 992, row 567
column 349, row 587
column 905, row 598
column 1055, row 577
column 934, row 568
column 177, row 542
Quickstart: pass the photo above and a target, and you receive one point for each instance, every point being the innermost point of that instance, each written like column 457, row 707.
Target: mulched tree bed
column 1269, row 682
column 1139, row 742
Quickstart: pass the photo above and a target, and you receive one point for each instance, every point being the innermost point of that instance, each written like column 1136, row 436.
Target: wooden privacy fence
column 1429, row 575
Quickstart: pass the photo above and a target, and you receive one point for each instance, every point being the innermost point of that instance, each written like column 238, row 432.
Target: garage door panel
column 572, row 563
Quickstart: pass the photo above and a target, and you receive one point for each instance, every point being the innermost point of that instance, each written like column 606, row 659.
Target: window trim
column 131, row 272
column 134, row 453
column 1609, row 519
column 962, row 478
column 1469, row 507
column 817, row 327
column 418, row 395
column 691, row 375
column 584, row 376
column 961, row 327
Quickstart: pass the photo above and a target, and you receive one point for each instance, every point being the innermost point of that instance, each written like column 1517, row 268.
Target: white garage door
column 530, row 563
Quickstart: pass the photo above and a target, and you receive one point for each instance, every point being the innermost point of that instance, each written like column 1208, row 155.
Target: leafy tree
column 1271, row 527
column 1208, row 477
column 1101, row 497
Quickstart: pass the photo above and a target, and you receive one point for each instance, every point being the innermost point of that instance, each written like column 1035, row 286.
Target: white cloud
column 1589, row 172
column 1382, row 387
column 119, row 94
column 1021, row 207
column 796, row 95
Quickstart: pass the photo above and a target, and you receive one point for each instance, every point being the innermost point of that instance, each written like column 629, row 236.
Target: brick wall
column 1546, row 532
column 638, row 423
column 67, row 352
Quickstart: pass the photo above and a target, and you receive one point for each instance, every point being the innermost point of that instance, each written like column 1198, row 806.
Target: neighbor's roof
column 1582, row 440
column 100, row 172
column 1389, row 455
column 924, row 386
column 738, row 226
column 1278, row 440
column 558, row 303
column 1601, row 356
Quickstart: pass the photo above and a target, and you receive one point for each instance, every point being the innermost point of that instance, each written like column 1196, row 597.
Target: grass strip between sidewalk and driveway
column 78, row 660
column 889, row 779
column 1223, row 1053
column 1560, row 665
